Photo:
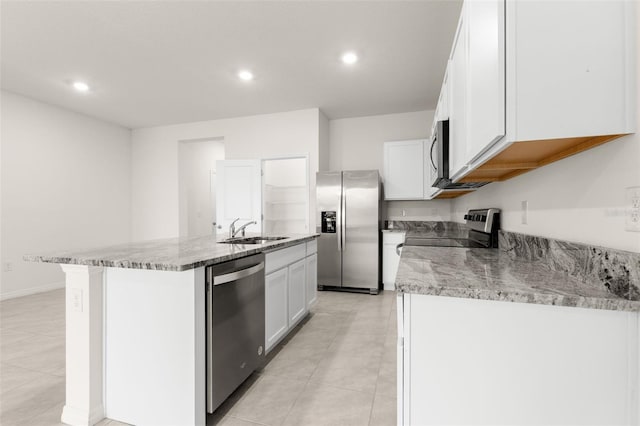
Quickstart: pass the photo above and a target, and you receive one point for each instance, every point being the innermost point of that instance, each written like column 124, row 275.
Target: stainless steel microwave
column 439, row 159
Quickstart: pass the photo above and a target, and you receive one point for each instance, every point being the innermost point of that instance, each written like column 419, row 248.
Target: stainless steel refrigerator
column 348, row 216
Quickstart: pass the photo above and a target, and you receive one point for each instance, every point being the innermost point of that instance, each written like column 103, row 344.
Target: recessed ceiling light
column 245, row 75
column 81, row 86
column 350, row 58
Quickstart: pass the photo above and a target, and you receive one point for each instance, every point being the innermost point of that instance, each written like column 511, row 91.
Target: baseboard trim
column 32, row 290
column 80, row 417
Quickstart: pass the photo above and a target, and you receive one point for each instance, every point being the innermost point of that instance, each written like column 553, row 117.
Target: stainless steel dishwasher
column 235, row 325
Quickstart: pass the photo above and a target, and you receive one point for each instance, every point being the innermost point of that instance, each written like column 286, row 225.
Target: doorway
column 197, row 185
column 285, row 195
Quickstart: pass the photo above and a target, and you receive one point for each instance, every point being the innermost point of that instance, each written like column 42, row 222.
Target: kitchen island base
column 135, row 346
column 155, row 346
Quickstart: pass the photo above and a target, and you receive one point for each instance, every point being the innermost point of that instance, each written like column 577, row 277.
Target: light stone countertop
column 174, row 254
column 493, row 274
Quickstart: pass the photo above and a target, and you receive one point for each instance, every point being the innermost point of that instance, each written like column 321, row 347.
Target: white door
column 276, row 326
column 297, row 300
column 239, row 194
column 285, row 196
column 312, row 280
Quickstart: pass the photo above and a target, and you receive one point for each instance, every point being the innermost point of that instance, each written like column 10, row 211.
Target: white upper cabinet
column 239, row 194
column 477, row 89
column 571, row 68
column 486, row 75
column 458, row 100
column 532, row 82
column 403, row 170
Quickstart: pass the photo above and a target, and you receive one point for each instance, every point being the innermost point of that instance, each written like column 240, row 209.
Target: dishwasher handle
column 236, row 275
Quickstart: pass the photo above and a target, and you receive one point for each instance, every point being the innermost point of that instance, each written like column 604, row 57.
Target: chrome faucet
column 233, row 231
column 232, row 228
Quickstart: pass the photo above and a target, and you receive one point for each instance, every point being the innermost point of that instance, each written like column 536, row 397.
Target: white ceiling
column 155, row 63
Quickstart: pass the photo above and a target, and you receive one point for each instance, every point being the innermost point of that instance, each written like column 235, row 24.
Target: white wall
column 196, row 175
column 65, row 185
column 155, row 204
column 580, row 198
column 324, row 142
column 357, row 144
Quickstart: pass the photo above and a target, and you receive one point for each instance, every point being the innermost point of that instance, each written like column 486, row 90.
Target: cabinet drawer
column 279, row 258
column 312, row 247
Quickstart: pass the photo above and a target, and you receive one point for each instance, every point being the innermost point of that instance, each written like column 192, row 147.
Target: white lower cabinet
column 276, row 320
column 312, row 280
column 472, row 362
column 390, row 258
column 297, row 283
column 290, row 289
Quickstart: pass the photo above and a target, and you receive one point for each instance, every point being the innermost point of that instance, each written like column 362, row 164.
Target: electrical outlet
column 8, row 266
column 632, row 217
column 404, row 212
column 525, row 212
column 76, row 299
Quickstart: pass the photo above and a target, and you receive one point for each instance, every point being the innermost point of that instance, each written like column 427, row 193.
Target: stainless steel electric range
column 483, row 224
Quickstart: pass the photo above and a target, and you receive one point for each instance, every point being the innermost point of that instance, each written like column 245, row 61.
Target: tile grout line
column 307, row 382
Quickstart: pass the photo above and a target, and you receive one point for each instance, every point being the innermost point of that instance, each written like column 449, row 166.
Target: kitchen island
column 135, row 327
column 536, row 332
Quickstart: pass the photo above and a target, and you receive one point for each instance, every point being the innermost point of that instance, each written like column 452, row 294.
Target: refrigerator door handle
column 343, row 219
column 339, row 221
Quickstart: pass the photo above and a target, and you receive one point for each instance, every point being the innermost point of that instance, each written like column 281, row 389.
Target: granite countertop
column 174, row 254
column 496, row 274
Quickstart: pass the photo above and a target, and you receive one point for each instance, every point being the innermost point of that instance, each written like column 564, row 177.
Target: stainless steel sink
column 252, row 240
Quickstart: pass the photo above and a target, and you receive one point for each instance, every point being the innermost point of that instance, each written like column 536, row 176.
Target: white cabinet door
column 575, row 74
column 312, row 280
column 486, row 75
column 473, row 354
column 276, row 313
column 297, row 299
column 239, row 193
column 403, row 170
column 457, row 100
column 442, row 110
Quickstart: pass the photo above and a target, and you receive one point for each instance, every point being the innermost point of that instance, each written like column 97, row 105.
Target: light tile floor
column 338, row 367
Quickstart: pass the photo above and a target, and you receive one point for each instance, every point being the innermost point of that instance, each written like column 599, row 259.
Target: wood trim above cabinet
column 451, row 194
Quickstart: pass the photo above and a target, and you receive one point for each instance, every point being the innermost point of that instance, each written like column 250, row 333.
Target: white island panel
column 155, row 346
